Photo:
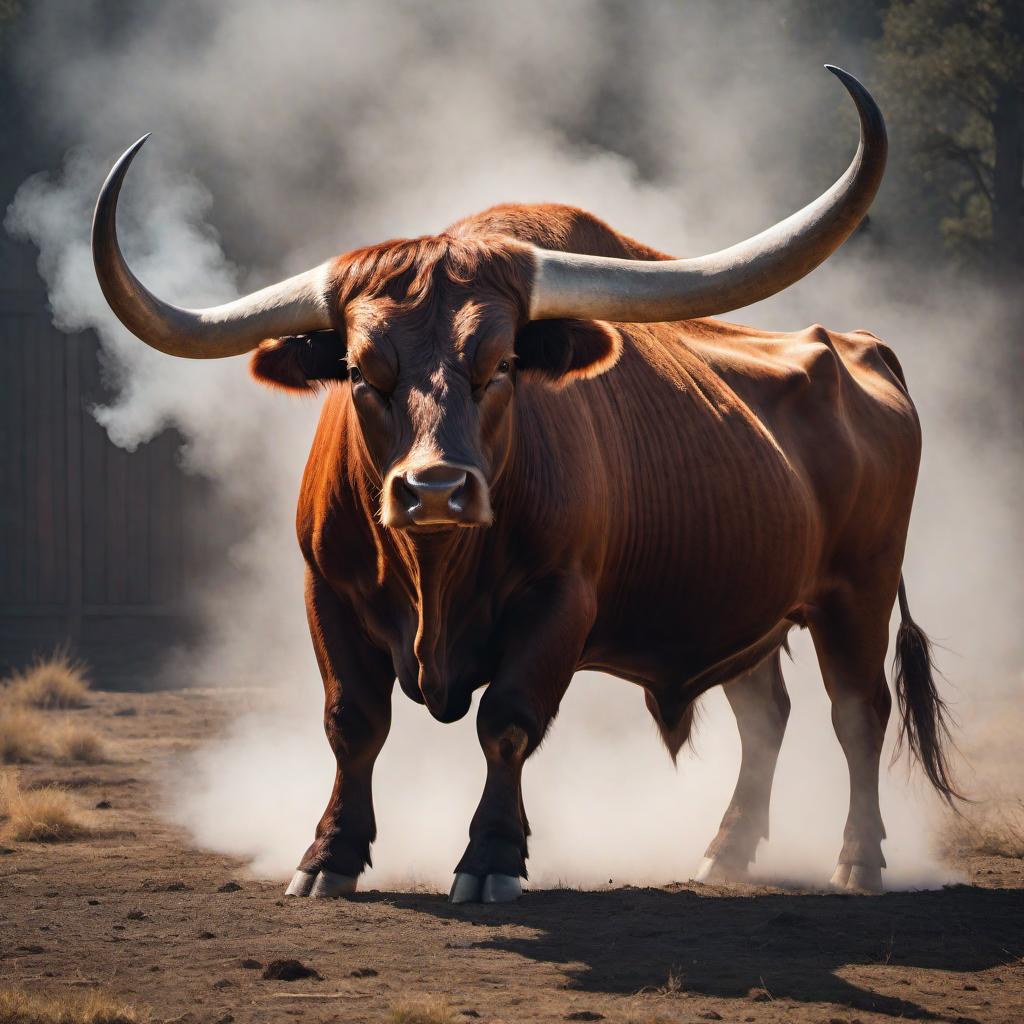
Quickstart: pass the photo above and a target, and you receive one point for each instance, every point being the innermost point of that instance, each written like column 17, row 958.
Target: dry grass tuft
column 75, row 742
column 91, row 1007
column 21, row 735
column 43, row 815
column 56, row 683
column 423, row 1010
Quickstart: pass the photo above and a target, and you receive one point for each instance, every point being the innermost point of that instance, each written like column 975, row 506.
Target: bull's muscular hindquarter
column 505, row 488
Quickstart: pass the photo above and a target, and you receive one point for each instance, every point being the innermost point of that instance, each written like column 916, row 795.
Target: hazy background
column 285, row 137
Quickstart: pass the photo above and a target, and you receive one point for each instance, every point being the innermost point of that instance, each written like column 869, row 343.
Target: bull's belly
column 684, row 665
column 667, row 633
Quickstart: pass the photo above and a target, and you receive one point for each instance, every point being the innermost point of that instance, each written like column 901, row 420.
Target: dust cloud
column 300, row 136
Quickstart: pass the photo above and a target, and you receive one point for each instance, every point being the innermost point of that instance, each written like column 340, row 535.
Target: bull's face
column 433, row 396
column 433, row 344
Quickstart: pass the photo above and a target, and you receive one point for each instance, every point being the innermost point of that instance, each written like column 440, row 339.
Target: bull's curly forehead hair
column 421, row 275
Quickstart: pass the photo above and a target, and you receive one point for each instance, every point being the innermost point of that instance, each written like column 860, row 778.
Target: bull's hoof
column 501, row 889
column 491, row 889
column 329, row 885
column 301, row 883
column 465, row 889
column 717, row 872
column 857, row 878
column 323, row 885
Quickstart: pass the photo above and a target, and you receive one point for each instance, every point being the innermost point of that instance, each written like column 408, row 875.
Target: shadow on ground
column 791, row 946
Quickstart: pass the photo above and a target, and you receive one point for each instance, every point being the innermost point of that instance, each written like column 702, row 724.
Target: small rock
column 6, row 851
column 104, row 805
column 222, row 983
column 118, row 928
column 584, row 1015
column 251, row 965
column 175, row 887
column 154, row 969
column 226, row 1019
column 289, row 970
column 970, row 988
column 363, row 972
column 229, row 887
column 136, row 915
column 93, row 903
column 207, row 935
column 469, row 1013
column 710, row 1015
column 29, row 949
column 125, row 713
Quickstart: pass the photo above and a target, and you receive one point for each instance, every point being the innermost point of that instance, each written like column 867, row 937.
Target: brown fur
column 698, row 489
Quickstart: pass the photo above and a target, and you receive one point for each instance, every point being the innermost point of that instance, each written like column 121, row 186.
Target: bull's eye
column 354, row 374
column 504, row 366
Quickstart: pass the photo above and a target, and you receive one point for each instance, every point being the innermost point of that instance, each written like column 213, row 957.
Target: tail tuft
column 925, row 716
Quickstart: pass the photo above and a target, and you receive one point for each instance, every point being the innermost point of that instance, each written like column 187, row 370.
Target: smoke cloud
column 284, row 139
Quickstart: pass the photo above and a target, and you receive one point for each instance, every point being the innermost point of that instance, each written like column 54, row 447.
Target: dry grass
column 423, row 1010
column 91, row 1007
column 44, row 815
column 56, row 683
column 994, row 828
column 21, row 735
column 992, row 825
column 76, row 742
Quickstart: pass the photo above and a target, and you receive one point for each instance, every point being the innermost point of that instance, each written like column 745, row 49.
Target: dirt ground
column 134, row 909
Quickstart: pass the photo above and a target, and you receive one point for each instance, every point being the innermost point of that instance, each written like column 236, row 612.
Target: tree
column 954, row 77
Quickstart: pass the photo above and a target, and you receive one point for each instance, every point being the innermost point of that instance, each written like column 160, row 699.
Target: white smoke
column 340, row 124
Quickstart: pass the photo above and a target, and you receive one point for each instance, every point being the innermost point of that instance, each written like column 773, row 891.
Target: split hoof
column 323, row 885
column 490, row 889
column 857, row 878
column 715, row 872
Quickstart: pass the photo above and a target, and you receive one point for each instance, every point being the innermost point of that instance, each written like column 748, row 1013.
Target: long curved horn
column 631, row 291
column 295, row 306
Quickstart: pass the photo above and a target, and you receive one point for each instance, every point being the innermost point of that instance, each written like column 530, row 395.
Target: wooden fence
column 95, row 549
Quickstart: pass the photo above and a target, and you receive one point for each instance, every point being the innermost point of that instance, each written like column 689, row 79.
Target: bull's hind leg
column 358, row 680
column 851, row 635
column 761, row 705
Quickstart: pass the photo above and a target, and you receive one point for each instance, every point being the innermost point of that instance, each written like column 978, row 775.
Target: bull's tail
column 925, row 718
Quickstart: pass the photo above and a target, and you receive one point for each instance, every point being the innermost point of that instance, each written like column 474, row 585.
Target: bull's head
column 432, row 334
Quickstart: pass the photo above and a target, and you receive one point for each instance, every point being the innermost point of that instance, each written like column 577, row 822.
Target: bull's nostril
column 457, row 500
column 406, row 495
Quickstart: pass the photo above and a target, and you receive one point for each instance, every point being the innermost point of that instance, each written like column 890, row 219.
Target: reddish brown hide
column 698, row 489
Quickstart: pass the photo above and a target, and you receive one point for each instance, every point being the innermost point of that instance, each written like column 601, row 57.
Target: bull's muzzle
column 439, row 495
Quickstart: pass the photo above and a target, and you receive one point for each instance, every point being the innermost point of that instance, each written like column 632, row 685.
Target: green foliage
column 952, row 73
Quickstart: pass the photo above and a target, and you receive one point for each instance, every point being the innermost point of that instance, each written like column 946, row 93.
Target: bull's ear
column 302, row 363
column 561, row 351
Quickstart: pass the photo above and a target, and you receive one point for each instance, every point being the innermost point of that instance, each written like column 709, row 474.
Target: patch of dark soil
column 289, row 970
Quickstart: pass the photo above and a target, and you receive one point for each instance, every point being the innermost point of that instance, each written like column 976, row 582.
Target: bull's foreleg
column 358, row 679
column 543, row 640
column 761, row 705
